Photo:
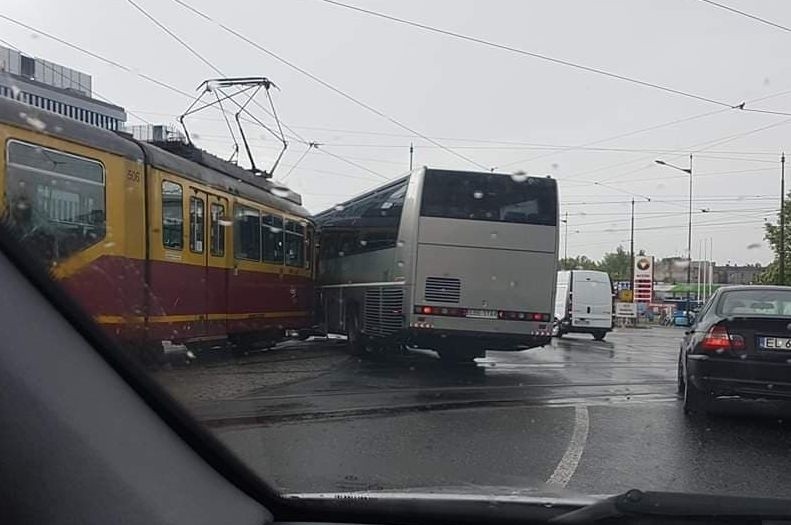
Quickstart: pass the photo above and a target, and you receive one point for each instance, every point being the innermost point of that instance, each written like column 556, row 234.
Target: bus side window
column 172, row 215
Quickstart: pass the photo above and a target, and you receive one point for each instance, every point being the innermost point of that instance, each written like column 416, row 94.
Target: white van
column 583, row 303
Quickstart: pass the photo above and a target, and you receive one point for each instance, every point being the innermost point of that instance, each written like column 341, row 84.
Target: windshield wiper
column 636, row 503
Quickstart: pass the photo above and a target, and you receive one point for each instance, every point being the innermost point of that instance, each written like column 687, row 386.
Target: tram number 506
column 133, row 175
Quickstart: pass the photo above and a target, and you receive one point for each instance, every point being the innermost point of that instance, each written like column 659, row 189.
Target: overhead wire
column 141, row 75
column 524, row 52
column 748, row 15
column 217, row 70
column 84, row 87
column 326, row 84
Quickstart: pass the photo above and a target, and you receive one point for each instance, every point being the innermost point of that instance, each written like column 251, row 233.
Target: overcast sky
column 497, row 108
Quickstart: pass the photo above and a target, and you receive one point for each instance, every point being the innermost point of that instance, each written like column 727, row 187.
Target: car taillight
column 718, row 339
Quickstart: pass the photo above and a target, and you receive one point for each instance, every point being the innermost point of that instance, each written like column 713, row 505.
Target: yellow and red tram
column 156, row 245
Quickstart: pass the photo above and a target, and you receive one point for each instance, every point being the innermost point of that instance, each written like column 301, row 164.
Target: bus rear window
column 489, row 197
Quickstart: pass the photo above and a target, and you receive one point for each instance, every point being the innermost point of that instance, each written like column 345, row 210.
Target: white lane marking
column 571, row 458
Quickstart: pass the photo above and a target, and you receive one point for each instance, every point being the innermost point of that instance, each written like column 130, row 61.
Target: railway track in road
column 387, row 402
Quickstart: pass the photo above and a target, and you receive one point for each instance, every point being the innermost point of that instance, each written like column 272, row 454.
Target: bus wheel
column 354, row 336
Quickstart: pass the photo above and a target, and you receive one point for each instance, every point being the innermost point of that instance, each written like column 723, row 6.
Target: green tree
column 581, row 262
column 617, row 264
column 771, row 275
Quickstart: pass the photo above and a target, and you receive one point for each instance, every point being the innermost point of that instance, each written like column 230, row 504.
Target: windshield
column 485, row 197
column 447, row 246
column 755, row 302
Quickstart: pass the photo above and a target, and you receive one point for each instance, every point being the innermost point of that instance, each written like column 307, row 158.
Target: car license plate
column 482, row 314
column 774, row 343
column 581, row 322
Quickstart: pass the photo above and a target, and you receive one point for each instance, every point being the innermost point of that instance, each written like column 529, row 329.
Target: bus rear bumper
column 435, row 338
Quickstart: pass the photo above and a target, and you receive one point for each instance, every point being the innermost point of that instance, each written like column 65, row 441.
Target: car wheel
column 599, row 336
column 695, row 400
column 680, row 379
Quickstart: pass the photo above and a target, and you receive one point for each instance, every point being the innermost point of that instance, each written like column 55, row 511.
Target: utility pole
column 411, row 155
column 689, row 244
column 566, row 240
column 631, row 254
column 782, row 269
column 689, row 232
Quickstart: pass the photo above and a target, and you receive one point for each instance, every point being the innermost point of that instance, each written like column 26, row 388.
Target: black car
column 739, row 345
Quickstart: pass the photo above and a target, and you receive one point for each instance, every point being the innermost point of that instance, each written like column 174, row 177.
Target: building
column 55, row 88
column 156, row 133
column 673, row 270
column 728, row 274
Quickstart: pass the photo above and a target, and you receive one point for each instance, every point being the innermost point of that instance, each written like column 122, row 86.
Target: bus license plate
column 774, row 343
column 482, row 314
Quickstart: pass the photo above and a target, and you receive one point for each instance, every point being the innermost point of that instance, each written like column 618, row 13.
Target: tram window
column 217, row 232
column 247, row 233
column 272, row 236
column 197, row 224
column 308, row 247
column 295, row 244
column 172, row 215
column 56, row 201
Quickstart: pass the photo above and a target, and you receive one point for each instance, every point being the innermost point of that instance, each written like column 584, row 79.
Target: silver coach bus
column 457, row 262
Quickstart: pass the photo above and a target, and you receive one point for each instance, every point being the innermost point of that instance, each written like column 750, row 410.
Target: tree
column 617, row 264
column 771, row 275
column 581, row 262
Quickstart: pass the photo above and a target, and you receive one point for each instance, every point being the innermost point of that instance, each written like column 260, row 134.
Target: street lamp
column 689, row 230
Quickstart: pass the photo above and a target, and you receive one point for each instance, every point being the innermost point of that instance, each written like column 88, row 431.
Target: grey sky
column 490, row 105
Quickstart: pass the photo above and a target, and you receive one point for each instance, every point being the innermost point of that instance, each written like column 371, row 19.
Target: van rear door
column 591, row 302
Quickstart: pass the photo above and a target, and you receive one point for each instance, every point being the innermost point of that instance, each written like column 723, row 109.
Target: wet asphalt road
column 582, row 417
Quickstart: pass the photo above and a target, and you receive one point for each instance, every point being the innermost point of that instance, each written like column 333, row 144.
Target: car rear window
column 755, row 302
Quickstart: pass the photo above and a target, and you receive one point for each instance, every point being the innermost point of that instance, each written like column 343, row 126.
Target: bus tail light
column 507, row 315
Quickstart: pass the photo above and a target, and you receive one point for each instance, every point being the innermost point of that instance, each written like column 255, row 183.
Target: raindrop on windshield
column 519, row 176
column 338, row 207
column 494, row 277
column 15, row 91
column 275, row 229
column 753, row 245
column 37, row 123
column 400, row 264
column 363, row 242
column 493, row 235
column 477, row 194
column 22, row 205
column 400, row 244
column 279, row 191
column 341, row 253
column 512, row 284
column 225, row 222
column 109, row 244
